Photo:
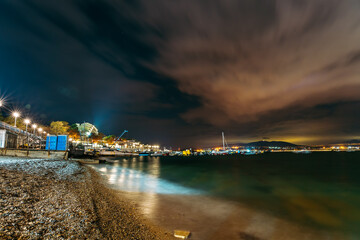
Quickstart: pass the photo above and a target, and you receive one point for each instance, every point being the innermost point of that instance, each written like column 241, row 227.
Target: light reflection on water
column 120, row 176
column 320, row 189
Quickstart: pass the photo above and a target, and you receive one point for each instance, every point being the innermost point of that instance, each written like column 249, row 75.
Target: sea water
column 320, row 190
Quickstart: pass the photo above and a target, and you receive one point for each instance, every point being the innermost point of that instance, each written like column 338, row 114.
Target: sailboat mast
column 223, row 139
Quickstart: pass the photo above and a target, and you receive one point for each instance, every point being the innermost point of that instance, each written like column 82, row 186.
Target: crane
column 125, row 131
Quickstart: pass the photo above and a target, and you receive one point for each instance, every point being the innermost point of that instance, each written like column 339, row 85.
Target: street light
column 34, row 126
column 27, row 121
column 40, row 131
column 1, row 103
column 16, row 115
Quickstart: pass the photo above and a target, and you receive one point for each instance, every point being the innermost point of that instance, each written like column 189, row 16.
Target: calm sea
column 320, row 190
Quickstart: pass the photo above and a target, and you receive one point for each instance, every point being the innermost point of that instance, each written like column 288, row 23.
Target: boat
column 250, row 153
column 119, row 153
column 107, row 152
column 156, row 154
column 303, row 151
column 87, row 161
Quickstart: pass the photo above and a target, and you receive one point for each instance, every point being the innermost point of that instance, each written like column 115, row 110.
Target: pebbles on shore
column 49, row 199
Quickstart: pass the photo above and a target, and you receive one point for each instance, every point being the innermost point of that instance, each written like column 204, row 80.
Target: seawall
column 34, row 153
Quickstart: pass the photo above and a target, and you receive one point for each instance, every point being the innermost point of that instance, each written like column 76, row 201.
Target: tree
column 2, row 117
column 97, row 138
column 73, row 132
column 59, row 127
column 109, row 139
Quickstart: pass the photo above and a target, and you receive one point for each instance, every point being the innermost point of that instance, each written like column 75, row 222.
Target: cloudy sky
column 180, row 72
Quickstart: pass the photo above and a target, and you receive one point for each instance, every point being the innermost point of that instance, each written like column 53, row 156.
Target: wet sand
column 49, row 199
column 213, row 219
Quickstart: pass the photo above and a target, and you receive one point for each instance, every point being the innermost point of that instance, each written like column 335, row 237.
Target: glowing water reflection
column 131, row 180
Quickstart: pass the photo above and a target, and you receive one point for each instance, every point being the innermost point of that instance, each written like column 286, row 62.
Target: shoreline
column 210, row 218
column 57, row 199
column 53, row 199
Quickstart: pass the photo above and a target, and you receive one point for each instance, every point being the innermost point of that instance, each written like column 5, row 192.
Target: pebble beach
column 53, row 199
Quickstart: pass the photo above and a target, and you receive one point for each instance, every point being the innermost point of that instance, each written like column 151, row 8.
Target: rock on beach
column 52, row 199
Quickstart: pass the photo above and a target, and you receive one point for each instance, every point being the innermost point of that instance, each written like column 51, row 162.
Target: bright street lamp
column 34, row 126
column 40, row 131
column 1, row 103
column 15, row 115
column 27, row 121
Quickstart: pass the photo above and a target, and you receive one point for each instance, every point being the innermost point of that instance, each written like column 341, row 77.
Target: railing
column 18, row 131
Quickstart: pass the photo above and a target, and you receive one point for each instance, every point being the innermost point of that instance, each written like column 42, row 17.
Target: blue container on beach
column 51, row 142
column 62, row 142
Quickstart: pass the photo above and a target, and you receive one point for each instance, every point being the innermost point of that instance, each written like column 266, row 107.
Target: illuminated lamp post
column 15, row 115
column 40, row 131
column 34, row 126
column 27, row 122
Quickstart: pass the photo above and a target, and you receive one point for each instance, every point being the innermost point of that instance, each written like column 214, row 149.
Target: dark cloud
column 182, row 71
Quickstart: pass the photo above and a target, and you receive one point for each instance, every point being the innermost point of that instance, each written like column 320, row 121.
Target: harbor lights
column 27, row 122
column 15, row 115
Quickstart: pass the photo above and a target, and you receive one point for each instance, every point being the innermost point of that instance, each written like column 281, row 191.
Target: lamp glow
column 27, row 121
column 15, row 115
column 34, row 126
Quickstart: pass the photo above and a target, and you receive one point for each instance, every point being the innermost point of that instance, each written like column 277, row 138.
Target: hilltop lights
column 15, row 115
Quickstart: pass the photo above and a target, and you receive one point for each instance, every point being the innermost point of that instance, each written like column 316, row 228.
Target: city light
column 34, row 126
column 26, row 121
column 15, row 115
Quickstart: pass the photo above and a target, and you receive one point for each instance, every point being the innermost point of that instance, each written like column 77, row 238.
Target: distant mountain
column 271, row 144
column 353, row 141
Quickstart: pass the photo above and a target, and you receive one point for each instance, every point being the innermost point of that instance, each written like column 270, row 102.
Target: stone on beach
column 49, row 199
column 183, row 234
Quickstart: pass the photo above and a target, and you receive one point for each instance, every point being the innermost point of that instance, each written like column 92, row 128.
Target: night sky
column 177, row 73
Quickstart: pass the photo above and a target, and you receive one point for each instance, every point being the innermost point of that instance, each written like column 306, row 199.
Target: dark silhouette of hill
column 353, row 141
column 271, row 144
